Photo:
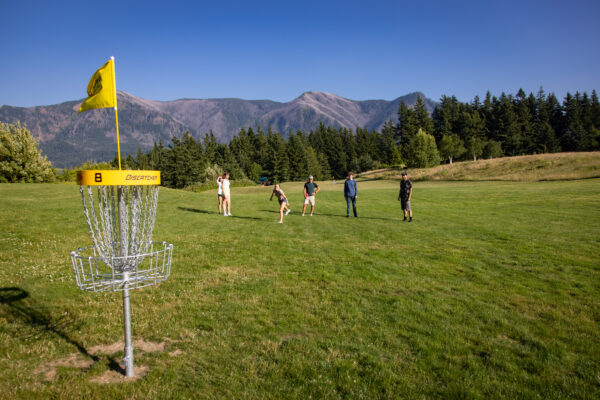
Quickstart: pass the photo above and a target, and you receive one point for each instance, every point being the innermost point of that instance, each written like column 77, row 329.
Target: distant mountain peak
column 69, row 139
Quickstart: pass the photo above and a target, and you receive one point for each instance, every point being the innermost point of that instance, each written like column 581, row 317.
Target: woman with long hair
column 283, row 202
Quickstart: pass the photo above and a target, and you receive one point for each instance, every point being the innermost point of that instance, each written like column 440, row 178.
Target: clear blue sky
column 278, row 49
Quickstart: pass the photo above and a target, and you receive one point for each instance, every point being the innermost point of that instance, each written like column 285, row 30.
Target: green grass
column 493, row 292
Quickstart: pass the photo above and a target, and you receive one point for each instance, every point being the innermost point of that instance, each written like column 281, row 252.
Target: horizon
column 273, row 51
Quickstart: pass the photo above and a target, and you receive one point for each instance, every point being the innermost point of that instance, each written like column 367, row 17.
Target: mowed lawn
column 493, row 292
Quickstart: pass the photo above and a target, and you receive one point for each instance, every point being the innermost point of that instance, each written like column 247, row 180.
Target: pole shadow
column 21, row 307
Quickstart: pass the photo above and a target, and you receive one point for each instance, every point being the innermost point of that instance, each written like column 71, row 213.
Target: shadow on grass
column 329, row 215
column 195, row 210
column 19, row 305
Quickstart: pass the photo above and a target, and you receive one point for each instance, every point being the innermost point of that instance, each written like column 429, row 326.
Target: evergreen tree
column 325, row 167
column 574, row 137
column 314, row 166
column 507, row 130
column 389, row 153
column 544, row 136
column 524, row 116
column 422, row 119
column 334, row 150
column 407, row 126
column 210, row 148
column 182, row 167
column 298, row 165
column 277, row 164
column 260, row 148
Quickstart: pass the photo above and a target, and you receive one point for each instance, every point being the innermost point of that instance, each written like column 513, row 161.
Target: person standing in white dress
column 226, row 196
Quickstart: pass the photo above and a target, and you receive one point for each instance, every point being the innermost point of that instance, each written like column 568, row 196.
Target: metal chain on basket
column 119, row 245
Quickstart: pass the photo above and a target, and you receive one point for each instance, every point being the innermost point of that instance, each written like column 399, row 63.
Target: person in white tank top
column 226, row 196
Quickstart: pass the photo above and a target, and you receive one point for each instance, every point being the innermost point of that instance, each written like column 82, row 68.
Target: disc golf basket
column 120, row 216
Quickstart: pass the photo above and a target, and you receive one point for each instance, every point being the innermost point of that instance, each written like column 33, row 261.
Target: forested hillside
column 496, row 126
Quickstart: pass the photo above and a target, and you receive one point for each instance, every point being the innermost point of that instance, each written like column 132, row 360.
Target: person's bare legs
column 220, row 204
column 281, row 207
column 226, row 206
column 303, row 209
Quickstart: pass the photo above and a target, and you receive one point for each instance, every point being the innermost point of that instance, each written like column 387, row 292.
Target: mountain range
column 68, row 138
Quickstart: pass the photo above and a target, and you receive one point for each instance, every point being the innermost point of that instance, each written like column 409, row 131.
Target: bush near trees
column 421, row 151
column 20, row 158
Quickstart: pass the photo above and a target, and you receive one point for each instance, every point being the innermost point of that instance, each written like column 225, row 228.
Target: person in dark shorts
column 283, row 202
column 350, row 193
column 405, row 195
column 310, row 190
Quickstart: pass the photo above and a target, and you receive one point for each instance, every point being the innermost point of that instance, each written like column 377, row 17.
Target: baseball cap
column 310, row 177
column 404, row 173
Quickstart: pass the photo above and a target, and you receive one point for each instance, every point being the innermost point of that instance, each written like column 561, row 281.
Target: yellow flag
column 101, row 90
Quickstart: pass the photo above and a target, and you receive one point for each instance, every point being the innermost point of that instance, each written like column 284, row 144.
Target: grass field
column 493, row 292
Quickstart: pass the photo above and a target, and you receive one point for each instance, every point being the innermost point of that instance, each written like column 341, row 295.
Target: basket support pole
column 128, row 358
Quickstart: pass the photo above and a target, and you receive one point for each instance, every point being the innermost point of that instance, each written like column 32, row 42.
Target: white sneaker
column 280, row 222
column 311, row 215
column 229, row 215
column 287, row 212
column 225, row 215
column 303, row 215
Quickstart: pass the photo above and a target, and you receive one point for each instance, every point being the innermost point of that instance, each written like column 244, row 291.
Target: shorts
column 282, row 201
column 219, row 194
column 405, row 205
column 310, row 199
column 226, row 194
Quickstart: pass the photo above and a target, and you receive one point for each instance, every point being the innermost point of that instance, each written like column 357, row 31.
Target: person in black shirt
column 405, row 195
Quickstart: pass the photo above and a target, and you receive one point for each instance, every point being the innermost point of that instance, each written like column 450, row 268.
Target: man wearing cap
column 310, row 190
column 405, row 195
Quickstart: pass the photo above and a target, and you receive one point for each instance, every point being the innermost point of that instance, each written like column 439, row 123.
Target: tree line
column 497, row 126
column 505, row 125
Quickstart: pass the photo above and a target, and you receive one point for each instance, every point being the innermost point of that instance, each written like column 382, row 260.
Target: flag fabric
column 102, row 89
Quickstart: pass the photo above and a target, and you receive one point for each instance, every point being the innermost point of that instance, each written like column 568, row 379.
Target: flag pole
column 116, row 112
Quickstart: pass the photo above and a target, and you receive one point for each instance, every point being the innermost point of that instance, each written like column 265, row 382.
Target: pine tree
column 574, row 137
column 407, row 126
column 422, row 119
column 544, row 136
column 210, row 148
column 277, row 164
column 298, row 165
column 314, row 166
column 507, row 128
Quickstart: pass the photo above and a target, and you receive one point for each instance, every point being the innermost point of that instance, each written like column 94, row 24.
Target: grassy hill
column 538, row 167
column 493, row 292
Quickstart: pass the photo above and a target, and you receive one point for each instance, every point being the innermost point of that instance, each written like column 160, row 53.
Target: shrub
column 20, row 158
column 422, row 151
